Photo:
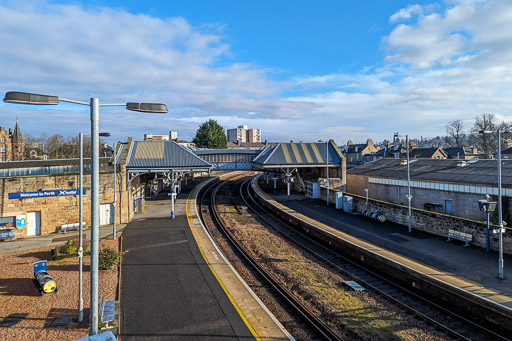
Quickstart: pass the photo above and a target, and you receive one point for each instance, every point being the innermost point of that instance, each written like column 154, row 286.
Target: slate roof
column 424, row 152
column 163, row 155
column 355, row 148
column 226, row 151
column 301, row 154
column 441, row 170
column 452, row 152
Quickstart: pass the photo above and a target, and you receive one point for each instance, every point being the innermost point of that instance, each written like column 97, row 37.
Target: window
column 2, row 149
column 3, row 140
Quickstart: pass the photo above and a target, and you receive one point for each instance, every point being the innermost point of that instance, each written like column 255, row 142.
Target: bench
column 70, row 227
column 7, row 235
column 465, row 237
column 107, row 312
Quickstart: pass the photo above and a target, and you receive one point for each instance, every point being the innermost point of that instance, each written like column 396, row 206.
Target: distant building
column 249, row 145
column 243, row 134
column 354, row 153
column 173, row 135
column 151, row 137
column 12, row 145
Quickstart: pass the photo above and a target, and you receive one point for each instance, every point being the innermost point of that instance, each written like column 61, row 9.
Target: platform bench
column 465, row 237
column 7, row 235
column 107, row 312
column 70, row 227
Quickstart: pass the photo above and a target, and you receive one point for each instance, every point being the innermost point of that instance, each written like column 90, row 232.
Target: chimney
column 369, row 142
column 461, row 163
column 266, row 143
column 349, row 143
column 10, row 131
column 388, row 144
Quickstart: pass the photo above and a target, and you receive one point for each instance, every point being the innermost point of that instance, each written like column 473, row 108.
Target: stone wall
column 59, row 210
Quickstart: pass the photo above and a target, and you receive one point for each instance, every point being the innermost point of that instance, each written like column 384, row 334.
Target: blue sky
column 299, row 70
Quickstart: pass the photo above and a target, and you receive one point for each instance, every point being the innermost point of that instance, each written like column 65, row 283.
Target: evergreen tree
column 211, row 135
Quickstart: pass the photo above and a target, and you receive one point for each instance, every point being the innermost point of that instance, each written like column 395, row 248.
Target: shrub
column 108, row 258
column 68, row 248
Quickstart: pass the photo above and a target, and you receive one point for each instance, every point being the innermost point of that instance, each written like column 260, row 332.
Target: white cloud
column 406, row 13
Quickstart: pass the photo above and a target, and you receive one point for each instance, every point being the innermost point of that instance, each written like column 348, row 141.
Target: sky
column 298, row 70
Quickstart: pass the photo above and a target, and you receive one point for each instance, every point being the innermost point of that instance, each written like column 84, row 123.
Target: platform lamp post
column 327, row 169
column 94, row 104
column 409, row 196
column 500, row 217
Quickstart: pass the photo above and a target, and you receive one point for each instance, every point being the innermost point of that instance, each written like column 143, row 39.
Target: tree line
column 56, row 146
column 487, row 143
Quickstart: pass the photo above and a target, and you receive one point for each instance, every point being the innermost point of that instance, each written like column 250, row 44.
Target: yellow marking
column 150, row 150
column 296, row 152
column 253, row 332
column 306, row 152
column 317, row 153
column 286, row 153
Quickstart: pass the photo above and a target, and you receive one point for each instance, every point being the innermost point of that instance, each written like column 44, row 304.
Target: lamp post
column 327, row 169
column 37, row 99
column 114, row 232
column 409, row 196
column 366, row 190
column 80, row 229
column 500, row 217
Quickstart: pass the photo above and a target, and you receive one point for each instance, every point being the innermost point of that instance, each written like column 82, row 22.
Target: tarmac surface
column 470, row 263
column 167, row 290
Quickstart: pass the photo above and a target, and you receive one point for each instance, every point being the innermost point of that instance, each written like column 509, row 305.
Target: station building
column 38, row 197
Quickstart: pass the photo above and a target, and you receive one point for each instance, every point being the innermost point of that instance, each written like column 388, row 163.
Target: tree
column 211, row 135
column 486, row 142
column 455, row 130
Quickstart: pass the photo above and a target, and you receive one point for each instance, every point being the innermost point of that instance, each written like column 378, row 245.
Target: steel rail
column 405, row 306
column 314, row 321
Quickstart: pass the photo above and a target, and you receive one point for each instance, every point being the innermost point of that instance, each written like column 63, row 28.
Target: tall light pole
column 327, row 169
column 500, row 217
column 80, row 229
column 37, row 99
column 409, row 196
column 114, row 232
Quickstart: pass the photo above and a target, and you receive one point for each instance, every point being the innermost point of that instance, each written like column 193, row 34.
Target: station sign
column 44, row 194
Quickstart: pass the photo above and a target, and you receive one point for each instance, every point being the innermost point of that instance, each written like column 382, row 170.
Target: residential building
column 12, row 145
column 244, row 134
column 354, row 153
column 173, row 135
column 151, row 137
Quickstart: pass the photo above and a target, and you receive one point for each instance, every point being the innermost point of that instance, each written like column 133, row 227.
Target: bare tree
column 486, row 142
column 455, row 131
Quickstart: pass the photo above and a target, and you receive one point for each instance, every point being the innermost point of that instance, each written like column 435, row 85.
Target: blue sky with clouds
column 299, row 70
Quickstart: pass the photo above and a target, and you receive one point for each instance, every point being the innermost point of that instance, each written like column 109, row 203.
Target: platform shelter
column 298, row 163
column 156, row 162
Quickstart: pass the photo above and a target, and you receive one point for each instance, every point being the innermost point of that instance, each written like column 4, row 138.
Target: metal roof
column 441, row 170
column 163, row 155
column 301, row 154
column 226, row 151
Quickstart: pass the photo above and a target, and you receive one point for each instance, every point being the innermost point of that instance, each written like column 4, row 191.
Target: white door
column 106, row 214
column 33, row 223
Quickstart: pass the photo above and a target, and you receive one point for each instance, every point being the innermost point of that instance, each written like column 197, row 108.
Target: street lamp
column 327, row 169
column 37, row 99
column 409, row 196
column 500, row 217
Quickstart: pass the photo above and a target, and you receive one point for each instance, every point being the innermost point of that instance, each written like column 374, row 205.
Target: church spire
column 17, row 132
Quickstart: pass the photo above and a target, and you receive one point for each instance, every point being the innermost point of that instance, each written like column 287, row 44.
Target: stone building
column 12, row 145
column 355, row 153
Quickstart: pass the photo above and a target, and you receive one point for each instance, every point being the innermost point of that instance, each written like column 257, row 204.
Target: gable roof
column 301, row 154
column 425, row 152
column 163, row 155
column 453, row 152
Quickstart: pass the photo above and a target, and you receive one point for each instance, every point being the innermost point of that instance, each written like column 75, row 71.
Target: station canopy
column 161, row 156
column 297, row 155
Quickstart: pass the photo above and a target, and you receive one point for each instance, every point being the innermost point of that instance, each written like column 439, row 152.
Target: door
column 33, row 223
column 106, row 212
column 448, row 206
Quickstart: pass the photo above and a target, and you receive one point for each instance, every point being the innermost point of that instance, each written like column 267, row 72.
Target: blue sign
column 43, row 194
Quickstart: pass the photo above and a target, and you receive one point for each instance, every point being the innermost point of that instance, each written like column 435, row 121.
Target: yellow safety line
column 253, row 332
column 306, row 152
column 317, row 153
column 296, row 152
column 286, row 153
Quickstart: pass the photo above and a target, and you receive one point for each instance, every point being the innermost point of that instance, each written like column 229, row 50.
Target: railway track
column 441, row 318
column 208, row 206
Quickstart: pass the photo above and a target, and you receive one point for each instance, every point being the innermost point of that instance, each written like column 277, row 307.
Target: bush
column 108, row 258
column 68, row 248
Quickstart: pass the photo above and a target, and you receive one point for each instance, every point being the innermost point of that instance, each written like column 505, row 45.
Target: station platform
column 176, row 285
column 469, row 268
